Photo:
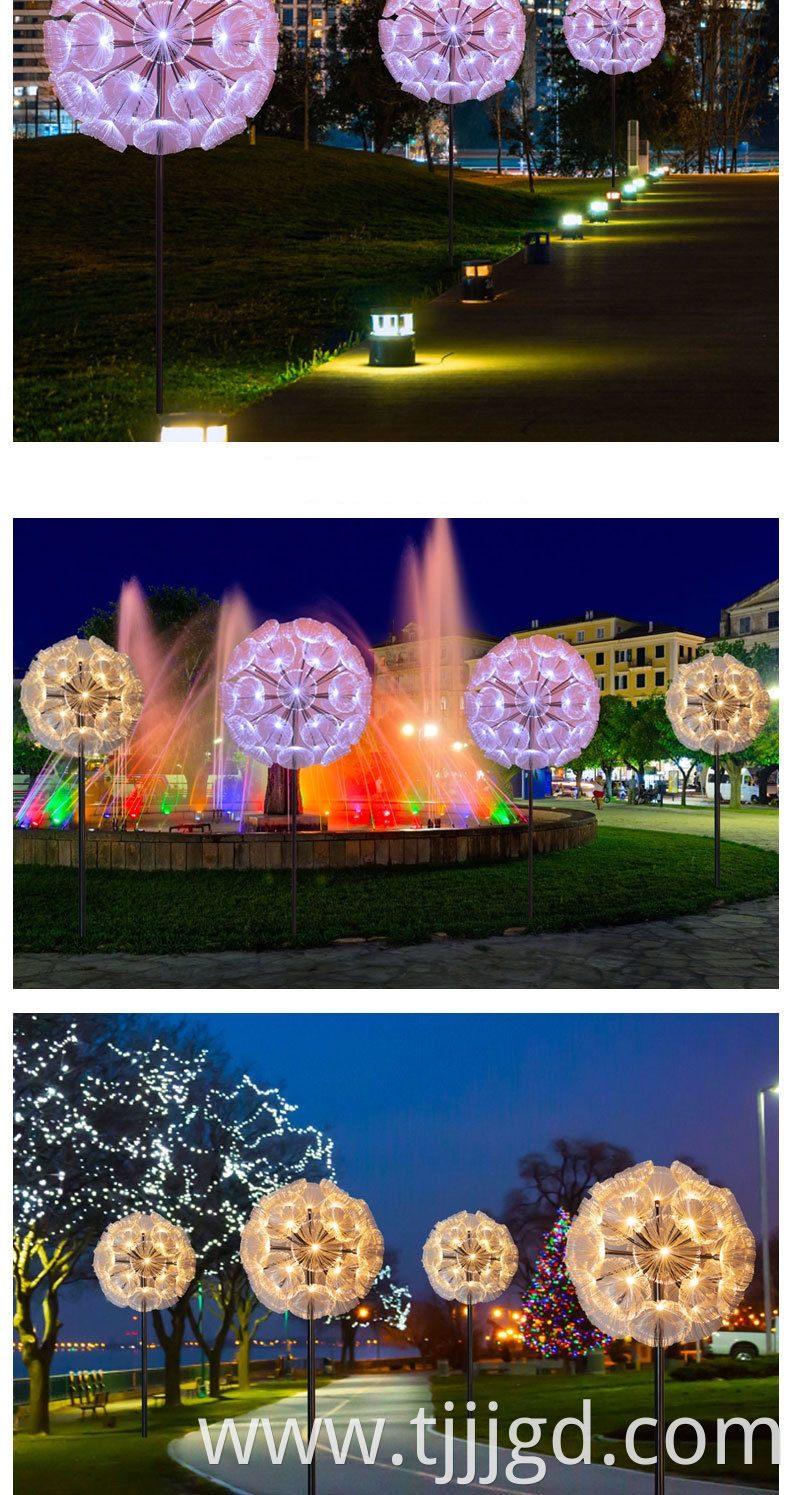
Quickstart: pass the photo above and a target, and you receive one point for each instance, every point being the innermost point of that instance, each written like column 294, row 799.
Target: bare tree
column 558, row 1182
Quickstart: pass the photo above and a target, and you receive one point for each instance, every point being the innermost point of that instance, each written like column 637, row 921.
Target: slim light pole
column 202, row 1391
column 761, row 1094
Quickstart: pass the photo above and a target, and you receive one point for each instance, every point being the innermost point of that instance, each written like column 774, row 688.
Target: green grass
column 621, row 878
column 271, row 253
column 80, row 1457
column 616, row 1399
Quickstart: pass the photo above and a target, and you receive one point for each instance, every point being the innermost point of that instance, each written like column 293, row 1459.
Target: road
column 398, row 1399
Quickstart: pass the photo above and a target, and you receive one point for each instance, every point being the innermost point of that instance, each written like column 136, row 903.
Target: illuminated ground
column 661, row 326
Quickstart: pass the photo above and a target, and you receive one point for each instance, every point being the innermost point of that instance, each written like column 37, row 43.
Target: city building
column 425, row 678
column 754, row 620
column 628, row 659
column 36, row 110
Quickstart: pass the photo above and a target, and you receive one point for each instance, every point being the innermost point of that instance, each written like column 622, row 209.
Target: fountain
column 414, row 769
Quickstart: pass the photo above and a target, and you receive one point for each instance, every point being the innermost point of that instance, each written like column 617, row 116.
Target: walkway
column 397, row 1400
column 730, row 948
column 661, row 326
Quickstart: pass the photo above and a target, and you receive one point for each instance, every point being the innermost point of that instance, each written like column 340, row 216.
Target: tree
column 560, row 1182
column 686, row 759
column 554, row 1321
column 362, row 94
column 517, row 122
column 763, row 753
column 180, row 615
column 386, row 1305
column 294, row 108
column 250, row 1314
column 642, row 742
column 436, row 1330
column 29, row 758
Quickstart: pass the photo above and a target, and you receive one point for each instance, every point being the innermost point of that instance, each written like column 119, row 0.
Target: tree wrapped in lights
column 662, row 1255
column 469, row 1258
column 387, row 1305
column 554, row 1321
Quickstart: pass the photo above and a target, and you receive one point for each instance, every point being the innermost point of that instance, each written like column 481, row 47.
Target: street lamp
column 761, row 1094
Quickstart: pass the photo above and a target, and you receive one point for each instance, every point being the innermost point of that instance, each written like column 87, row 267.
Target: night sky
column 670, row 569
column 430, row 1113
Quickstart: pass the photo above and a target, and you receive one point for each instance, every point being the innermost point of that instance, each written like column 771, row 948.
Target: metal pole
column 450, row 187
column 81, row 831
column 294, row 788
column 144, row 1371
column 659, row 1405
column 614, row 118
column 764, row 1220
column 529, row 844
column 160, row 403
column 717, row 821
column 310, row 1398
column 202, row 1391
column 470, row 1352
column 287, row 1366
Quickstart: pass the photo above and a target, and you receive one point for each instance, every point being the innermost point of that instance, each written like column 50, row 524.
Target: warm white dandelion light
column 311, row 1249
column 717, row 704
column 81, row 696
column 469, row 1258
column 144, row 1262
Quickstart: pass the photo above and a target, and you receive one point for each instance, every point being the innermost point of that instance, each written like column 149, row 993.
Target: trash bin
column 536, row 250
column 477, row 279
column 329, row 1366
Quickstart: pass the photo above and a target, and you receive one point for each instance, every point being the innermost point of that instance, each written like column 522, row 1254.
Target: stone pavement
column 660, row 326
column 730, row 948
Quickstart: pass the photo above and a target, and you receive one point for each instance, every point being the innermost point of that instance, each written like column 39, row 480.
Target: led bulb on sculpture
column 144, row 1262
column 532, row 703
column 662, row 1255
column 83, row 698
column 313, row 1250
column 470, row 1258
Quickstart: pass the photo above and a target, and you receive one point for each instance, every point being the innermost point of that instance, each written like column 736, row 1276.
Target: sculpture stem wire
column 160, row 405
column 470, row 1354
column 293, row 792
column 717, row 819
column 614, row 120
column 659, row 1409
column 450, row 186
column 311, row 1398
column 144, row 1371
column 81, row 837
column 529, row 843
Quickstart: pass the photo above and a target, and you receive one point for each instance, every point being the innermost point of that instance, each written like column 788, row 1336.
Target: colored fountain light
column 571, row 226
column 194, row 426
column 614, row 36
column 81, row 696
column 392, row 339
column 478, row 280
column 296, row 693
column 452, row 52
column 160, row 77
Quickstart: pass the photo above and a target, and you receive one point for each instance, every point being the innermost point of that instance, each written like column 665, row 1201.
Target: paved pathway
column 397, row 1400
column 729, row 948
column 661, row 326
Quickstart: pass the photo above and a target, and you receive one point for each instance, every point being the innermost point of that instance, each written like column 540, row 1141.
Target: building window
column 744, row 625
column 600, row 633
column 659, row 651
column 773, row 620
column 580, row 635
column 599, row 658
column 622, row 656
column 601, row 682
column 659, row 677
column 640, row 682
column 621, row 682
column 561, row 635
column 681, row 651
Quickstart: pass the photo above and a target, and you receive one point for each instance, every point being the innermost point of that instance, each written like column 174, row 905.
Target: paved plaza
column 660, row 326
column 730, row 948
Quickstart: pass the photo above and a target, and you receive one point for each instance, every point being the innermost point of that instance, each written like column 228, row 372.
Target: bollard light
column 477, row 278
column 571, row 226
column 598, row 211
column 392, row 339
column 194, row 425
column 639, row 184
column 629, row 192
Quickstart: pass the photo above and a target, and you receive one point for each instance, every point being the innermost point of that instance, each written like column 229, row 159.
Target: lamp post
column 761, row 1094
column 202, row 1388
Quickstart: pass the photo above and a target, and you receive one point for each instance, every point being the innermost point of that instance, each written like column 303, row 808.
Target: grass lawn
column 622, row 878
column 616, row 1399
column 271, row 254
column 86, row 1456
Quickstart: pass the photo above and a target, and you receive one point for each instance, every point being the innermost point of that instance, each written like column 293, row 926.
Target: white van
column 749, row 789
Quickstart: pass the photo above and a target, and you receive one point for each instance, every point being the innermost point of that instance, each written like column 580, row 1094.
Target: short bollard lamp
column 598, row 211
column 194, row 425
column 391, row 339
column 571, row 226
column 639, row 184
column 629, row 192
column 614, row 199
column 477, row 279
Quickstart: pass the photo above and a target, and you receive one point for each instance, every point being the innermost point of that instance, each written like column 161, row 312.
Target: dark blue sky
column 672, row 570
column 430, row 1113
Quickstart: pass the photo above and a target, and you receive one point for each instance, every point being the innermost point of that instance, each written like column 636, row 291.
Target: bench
column 94, row 1402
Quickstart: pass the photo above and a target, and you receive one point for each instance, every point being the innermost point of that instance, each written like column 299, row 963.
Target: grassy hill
column 271, row 255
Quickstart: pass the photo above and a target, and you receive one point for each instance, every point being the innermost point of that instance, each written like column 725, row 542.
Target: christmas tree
column 554, row 1322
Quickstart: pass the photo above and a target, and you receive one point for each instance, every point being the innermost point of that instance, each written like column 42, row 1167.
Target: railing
column 129, row 1380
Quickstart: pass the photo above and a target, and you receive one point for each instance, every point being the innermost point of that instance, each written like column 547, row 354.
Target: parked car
column 741, row 1344
column 749, row 789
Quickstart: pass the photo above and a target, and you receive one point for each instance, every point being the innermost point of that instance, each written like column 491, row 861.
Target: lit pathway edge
column 733, row 947
column 399, row 1401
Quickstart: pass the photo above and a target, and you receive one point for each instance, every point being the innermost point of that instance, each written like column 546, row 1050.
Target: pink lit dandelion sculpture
column 614, row 36
column 452, row 52
column 162, row 76
column 296, row 694
column 532, row 703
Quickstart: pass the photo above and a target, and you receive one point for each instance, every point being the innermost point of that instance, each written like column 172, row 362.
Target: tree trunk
column 37, row 1366
column 171, row 1344
column 214, row 1357
column 276, row 801
column 733, row 769
column 37, row 1353
column 426, row 140
column 243, row 1360
column 498, row 122
column 763, row 775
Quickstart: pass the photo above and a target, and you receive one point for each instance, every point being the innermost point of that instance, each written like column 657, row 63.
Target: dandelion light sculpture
column 452, row 51
column 532, row 703
column 161, row 77
column 296, row 694
column 614, row 36
column 144, row 1262
column 82, row 698
column 716, row 704
column 313, row 1250
column 660, row 1254
column 469, row 1258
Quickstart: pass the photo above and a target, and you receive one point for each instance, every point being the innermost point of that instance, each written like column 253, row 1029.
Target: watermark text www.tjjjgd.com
column 467, row 1460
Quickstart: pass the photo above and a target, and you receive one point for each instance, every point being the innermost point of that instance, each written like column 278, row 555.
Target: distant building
column 753, row 620
column 36, row 110
column 425, row 678
column 629, row 659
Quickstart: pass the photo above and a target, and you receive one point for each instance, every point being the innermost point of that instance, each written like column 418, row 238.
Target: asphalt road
column 660, row 327
column 397, row 1400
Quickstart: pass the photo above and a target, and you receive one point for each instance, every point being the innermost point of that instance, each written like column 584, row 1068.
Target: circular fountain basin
column 173, row 851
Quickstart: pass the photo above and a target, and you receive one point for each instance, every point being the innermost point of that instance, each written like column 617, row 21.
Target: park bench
column 93, row 1402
